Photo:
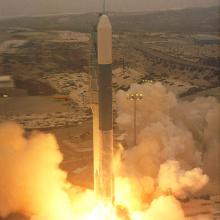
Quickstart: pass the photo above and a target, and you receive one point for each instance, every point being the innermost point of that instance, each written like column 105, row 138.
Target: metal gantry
column 93, row 67
column 124, row 65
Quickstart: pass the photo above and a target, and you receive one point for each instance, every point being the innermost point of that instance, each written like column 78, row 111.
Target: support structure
column 135, row 97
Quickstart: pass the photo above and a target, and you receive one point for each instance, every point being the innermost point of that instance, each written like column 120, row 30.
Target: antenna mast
column 104, row 7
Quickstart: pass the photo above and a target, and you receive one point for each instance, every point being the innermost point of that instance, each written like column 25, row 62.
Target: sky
column 41, row 7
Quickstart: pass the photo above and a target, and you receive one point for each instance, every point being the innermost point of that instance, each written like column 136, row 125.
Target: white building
column 6, row 82
column 7, row 86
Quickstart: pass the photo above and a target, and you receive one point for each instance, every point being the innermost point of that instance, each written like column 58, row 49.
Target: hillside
column 191, row 20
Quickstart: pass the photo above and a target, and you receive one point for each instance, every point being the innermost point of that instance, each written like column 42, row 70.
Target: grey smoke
column 179, row 137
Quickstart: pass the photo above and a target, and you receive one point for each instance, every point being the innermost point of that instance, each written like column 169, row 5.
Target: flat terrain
column 31, row 104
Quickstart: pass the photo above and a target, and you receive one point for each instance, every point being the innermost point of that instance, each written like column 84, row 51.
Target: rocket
column 104, row 43
column 102, row 115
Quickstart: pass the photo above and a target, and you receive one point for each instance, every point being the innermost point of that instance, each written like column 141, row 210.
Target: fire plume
column 165, row 165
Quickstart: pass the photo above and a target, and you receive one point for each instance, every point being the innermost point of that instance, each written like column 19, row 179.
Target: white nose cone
column 104, row 40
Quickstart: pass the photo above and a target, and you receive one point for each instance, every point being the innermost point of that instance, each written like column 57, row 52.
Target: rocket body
column 103, row 153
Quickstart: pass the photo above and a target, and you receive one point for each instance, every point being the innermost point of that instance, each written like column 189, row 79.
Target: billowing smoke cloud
column 175, row 142
column 180, row 182
column 164, row 206
column 31, row 181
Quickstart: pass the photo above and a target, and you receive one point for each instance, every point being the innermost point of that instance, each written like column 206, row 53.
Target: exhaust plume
column 31, row 181
column 176, row 141
column 180, row 182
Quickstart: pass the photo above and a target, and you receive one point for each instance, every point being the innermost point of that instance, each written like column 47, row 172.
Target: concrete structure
column 6, row 81
column 202, row 39
column 6, row 86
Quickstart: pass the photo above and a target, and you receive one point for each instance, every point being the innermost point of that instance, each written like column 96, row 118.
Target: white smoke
column 166, row 207
column 178, row 181
column 175, row 142
column 31, row 181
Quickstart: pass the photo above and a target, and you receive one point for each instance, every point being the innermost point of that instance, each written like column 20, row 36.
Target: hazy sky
column 37, row 7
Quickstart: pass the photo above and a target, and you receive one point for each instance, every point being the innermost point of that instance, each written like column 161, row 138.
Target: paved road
column 153, row 53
